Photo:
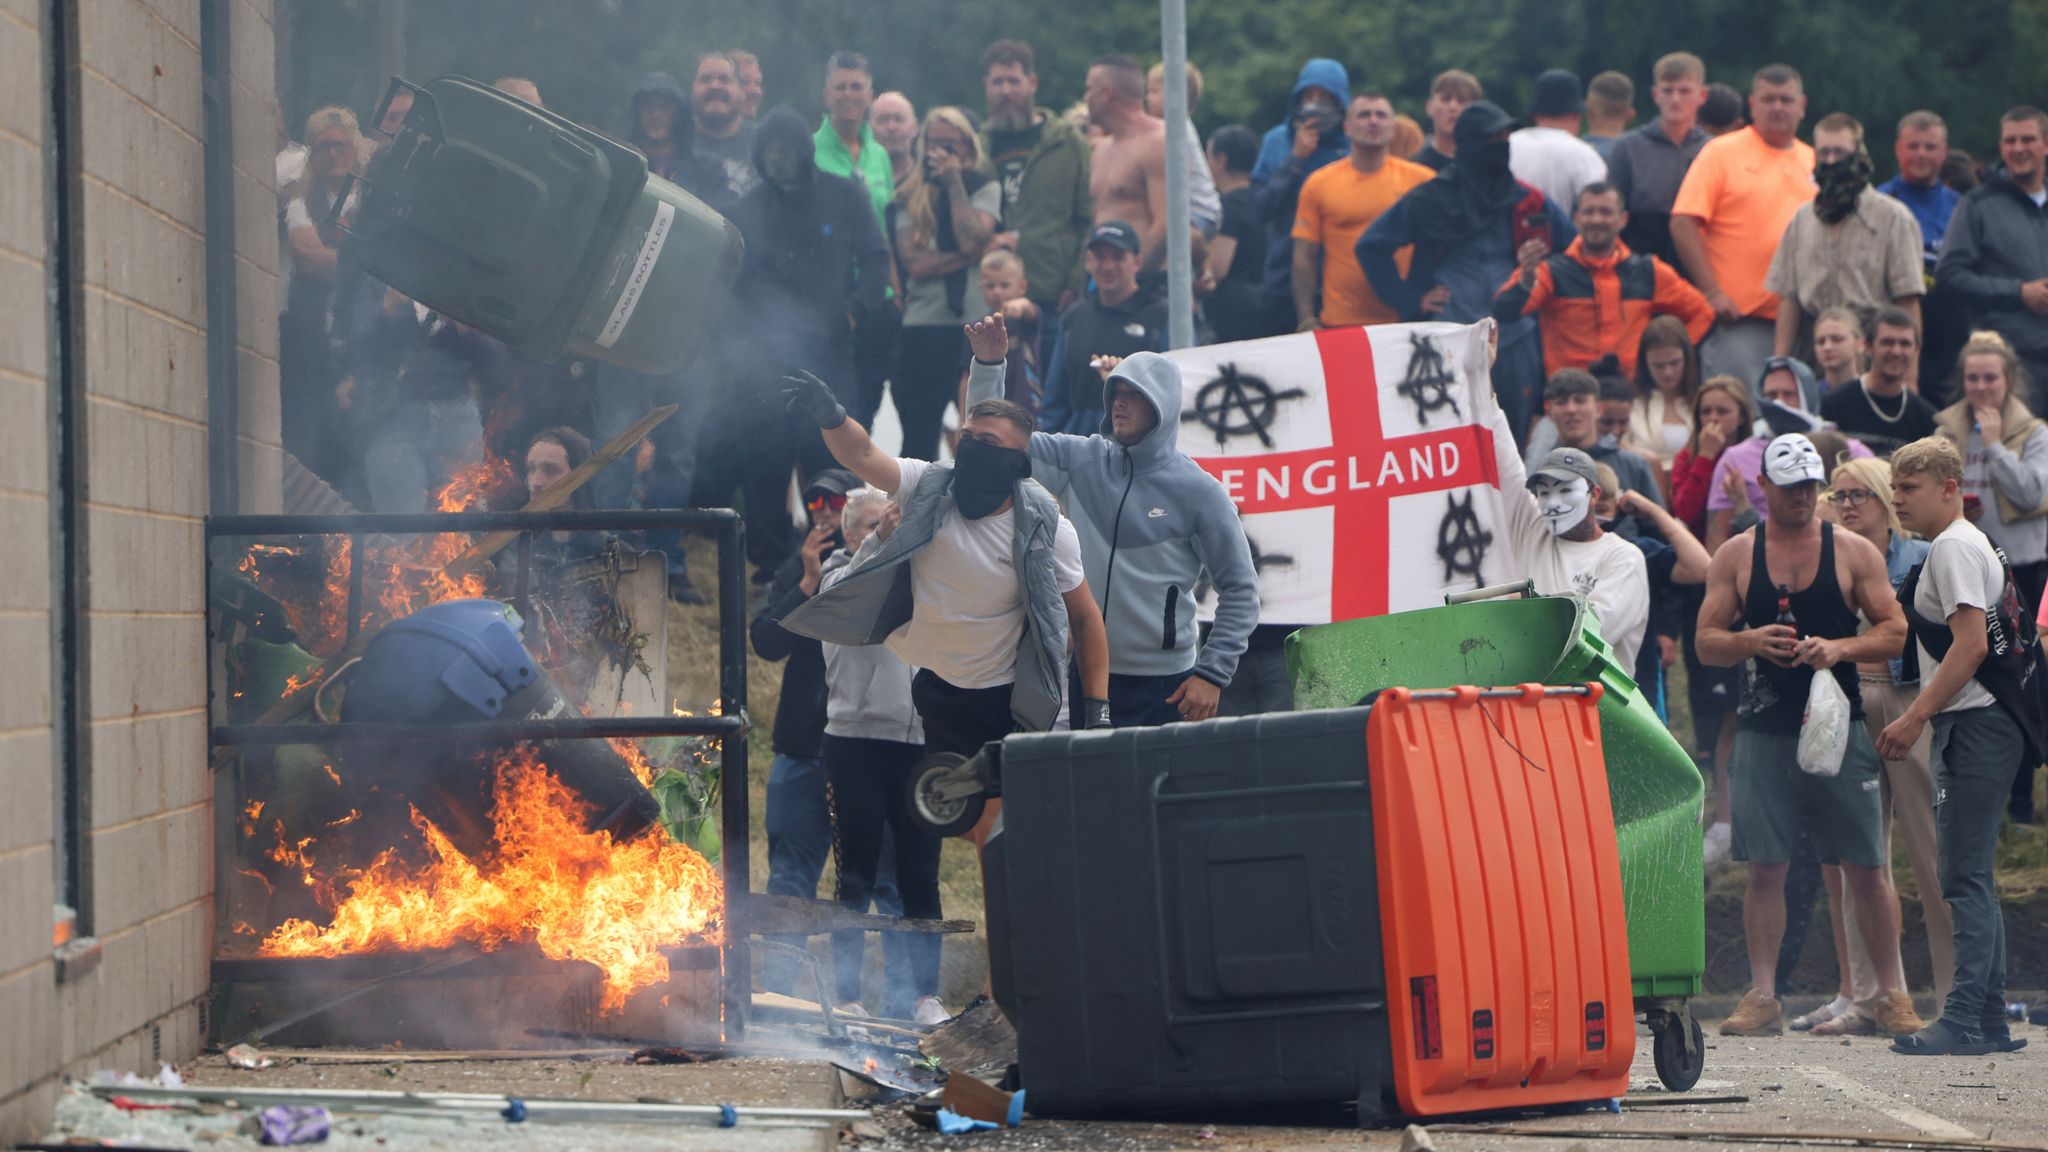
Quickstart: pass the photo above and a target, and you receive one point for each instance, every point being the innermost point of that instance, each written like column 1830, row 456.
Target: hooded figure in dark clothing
column 663, row 130
column 815, row 265
column 1466, row 226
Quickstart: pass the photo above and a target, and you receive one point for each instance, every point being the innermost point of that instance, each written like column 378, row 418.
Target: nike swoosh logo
column 1156, row 513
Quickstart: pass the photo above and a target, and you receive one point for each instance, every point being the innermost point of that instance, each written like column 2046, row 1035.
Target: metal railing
column 729, row 725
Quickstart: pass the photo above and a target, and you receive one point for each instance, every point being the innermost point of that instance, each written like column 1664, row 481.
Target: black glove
column 1094, row 714
column 813, row 397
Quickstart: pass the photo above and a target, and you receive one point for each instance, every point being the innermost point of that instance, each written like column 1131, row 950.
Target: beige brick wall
column 145, row 354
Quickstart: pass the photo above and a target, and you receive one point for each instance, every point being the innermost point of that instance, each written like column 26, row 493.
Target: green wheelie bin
column 1656, row 788
column 541, row 232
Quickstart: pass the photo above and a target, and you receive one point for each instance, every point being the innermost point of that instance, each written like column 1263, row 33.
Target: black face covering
column 1841, row 183
column 1478, row 188
column 984, row 476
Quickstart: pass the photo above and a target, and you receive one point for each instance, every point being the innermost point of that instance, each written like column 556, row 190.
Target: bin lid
column 1489, row 642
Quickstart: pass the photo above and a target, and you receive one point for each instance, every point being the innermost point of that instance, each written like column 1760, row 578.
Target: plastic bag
column 1824, row 733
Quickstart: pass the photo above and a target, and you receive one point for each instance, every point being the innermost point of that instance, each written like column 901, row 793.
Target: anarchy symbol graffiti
column 1428, row 383
column 1461, row 542
column 1261, row 560
column 1238, row 404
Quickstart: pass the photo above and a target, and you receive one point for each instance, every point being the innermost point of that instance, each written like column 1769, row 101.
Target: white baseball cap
column 1792, row 459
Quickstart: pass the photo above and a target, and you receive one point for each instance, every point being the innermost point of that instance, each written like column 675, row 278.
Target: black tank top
column 1774, row 698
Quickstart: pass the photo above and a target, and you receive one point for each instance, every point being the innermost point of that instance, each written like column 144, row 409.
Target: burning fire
column 399, row 577
column 576, row 895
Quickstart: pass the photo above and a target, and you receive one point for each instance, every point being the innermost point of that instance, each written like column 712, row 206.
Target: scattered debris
column 977, row 1038
column 899, row 1073
column 1415, row 1138
column 953, row 1124
column 293, row 1124
column 246, row 1056
column 980, row 1100
column 484, row 1105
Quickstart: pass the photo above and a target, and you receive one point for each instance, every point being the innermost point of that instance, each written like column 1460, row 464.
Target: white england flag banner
column 1361, row 460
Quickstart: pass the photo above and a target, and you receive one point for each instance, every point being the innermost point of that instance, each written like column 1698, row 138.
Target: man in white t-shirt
column 1978, row 744
column 987, row 637
column 1548, row 155
column 1564, row 550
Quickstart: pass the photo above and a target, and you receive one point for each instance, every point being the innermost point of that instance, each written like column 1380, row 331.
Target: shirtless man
column 1128, row 176
column 1802, row 589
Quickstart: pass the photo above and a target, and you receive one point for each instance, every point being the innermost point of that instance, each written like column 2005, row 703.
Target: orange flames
column 576, row 895
column 573, row 894
column 399, row 577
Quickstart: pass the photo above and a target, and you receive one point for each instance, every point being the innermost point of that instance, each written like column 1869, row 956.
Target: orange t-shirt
column 1746, row 192
column 1338, row 203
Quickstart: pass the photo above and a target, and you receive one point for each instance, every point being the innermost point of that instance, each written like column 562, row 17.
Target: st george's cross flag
column 1361, row 460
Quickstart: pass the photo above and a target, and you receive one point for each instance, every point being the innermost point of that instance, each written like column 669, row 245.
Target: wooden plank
column 557, row 494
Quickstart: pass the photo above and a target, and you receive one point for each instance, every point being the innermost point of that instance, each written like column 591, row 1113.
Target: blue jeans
column 799, row 821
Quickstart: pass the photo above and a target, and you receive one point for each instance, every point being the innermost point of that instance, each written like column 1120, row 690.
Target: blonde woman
column 1860, row 497
column 2005, row 479
column 2005, row 458
column 1839, row 346
column 943, row 221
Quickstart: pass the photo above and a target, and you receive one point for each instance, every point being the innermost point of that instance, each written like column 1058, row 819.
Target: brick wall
column 145, row 367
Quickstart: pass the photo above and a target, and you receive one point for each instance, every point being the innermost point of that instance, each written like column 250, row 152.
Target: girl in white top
column 1667, row 376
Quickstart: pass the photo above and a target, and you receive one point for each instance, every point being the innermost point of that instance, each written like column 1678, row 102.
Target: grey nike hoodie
column 1150, row 520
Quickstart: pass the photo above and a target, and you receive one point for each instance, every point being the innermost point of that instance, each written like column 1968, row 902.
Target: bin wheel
column 1680, row 1051
column 941, row 798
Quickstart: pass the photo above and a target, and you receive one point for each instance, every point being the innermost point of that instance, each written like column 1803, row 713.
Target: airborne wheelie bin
column 1655, row 787
column 540, row 232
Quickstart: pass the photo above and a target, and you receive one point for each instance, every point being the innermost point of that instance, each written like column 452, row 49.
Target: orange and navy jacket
column 1589, row 307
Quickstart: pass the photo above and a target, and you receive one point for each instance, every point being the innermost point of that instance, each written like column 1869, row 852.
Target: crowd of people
column 1770, row 419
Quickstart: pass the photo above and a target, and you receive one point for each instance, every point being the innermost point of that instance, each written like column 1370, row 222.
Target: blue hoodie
column 1277, row 176
column 1150, row 520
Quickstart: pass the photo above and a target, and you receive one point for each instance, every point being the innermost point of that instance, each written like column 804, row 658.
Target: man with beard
column 1043, row 165
column 663, row 132
column 724, row 134
column 1311, row 137
column 1850, row 246
column 1468, row 225
column 815, row 265
column 1881, row 408
column 1737, row 197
